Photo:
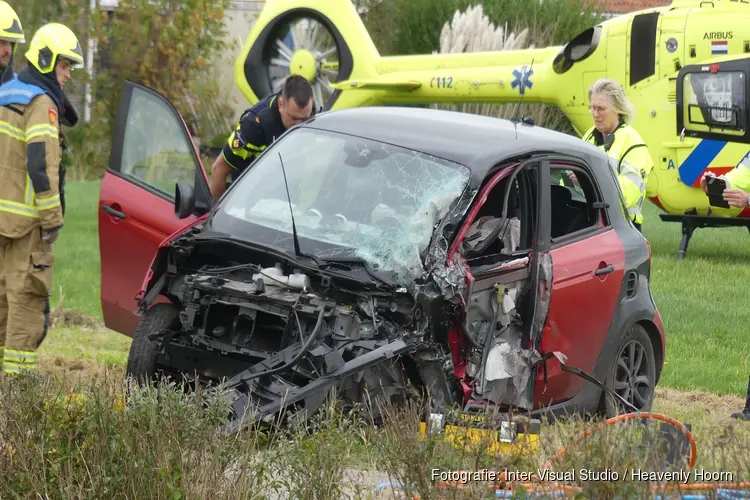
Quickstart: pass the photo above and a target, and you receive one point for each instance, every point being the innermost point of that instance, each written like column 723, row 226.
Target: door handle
column 604, row 270
column 113, row 212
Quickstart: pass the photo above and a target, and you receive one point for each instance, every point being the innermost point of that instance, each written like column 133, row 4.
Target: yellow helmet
column 50, row 42
column 10, row 24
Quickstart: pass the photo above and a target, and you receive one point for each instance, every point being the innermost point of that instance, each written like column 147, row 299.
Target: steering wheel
column 333, row 220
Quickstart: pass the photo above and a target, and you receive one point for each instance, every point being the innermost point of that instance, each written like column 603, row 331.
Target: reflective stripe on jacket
column 30, row 160
column 631, row 154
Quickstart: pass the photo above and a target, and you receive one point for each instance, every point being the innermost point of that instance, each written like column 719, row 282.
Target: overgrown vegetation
column 405, row 27
column 105, row 439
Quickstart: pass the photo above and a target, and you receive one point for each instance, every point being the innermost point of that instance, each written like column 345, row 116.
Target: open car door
column 152, row 150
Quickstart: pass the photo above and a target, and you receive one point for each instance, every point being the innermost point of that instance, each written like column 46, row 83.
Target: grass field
column 703, row 299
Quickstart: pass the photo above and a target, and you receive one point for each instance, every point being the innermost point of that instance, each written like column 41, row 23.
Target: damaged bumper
column 255, row 397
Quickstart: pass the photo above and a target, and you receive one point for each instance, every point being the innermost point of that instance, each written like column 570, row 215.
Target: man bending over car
column 258, row 127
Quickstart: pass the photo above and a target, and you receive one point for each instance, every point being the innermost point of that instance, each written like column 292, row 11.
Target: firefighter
column 258, row 127
column 613, row 112
column 31, row 215
column 11, row 34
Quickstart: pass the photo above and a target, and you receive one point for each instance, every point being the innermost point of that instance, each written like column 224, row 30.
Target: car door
column 496, row 242
column 152, row 150
column 588, row 265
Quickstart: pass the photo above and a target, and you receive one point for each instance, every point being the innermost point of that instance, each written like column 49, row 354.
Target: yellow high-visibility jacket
column 29, row 166
column 739, row 177
column 634, row 162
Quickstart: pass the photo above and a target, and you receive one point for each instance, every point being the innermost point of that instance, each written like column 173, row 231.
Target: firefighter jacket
column 30, row 160
column 633, row 161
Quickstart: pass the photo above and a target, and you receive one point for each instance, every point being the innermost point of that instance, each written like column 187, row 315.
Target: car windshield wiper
column 328, row 261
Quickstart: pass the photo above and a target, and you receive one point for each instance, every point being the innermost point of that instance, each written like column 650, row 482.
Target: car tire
column 142, row 357
column 632, row 375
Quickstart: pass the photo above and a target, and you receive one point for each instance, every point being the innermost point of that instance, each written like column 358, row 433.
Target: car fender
column 158, row 263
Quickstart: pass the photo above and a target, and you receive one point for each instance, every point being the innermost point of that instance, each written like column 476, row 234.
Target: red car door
column 588, row 265
column 152, row 150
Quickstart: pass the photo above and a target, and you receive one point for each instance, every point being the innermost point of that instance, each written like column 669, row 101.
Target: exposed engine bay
column 281, row 337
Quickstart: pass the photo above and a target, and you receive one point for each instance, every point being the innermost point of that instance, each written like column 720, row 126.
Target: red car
column 387, row 249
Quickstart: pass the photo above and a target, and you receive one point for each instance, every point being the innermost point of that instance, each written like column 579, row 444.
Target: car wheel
column 633, row 374
column 142, row 357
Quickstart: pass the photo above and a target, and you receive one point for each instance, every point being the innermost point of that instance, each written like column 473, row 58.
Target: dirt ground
column 696, row 405
column 78, row 371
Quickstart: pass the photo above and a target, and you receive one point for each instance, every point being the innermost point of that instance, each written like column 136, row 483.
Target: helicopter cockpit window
column 576, row 50
column 715, row 101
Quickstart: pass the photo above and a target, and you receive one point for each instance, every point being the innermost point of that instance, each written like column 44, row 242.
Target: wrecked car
column 377, row 252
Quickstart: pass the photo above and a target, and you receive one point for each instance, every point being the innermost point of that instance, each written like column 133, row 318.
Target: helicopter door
column 712, row 101
column 670, row 53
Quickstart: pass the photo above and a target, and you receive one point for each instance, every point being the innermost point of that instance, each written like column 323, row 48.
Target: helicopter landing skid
column 692, row 222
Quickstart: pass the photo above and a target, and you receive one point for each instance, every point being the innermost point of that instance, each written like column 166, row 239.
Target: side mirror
column 184, row 200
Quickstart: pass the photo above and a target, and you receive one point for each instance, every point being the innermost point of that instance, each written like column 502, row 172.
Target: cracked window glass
column 358, row 197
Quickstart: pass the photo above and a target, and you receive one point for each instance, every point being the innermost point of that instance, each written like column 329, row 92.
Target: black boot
column 745, row 414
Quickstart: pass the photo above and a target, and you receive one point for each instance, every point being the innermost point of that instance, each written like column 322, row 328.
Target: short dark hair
column 297, row 87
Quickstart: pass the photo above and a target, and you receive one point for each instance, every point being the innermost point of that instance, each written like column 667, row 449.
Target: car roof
column 476, row 141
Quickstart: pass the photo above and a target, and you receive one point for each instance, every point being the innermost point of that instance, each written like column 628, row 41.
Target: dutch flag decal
column 719, row 47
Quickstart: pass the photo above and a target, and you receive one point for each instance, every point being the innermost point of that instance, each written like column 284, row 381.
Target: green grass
column 99, row 345
column 703, row 303
column 77, row 268
column 702, row 299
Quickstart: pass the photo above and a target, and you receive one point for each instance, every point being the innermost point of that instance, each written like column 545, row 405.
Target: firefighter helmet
column 53, row 41
column 10, row 24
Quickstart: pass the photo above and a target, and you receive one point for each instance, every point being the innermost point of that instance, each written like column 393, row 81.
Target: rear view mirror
column 712, row 101
column 184, row 200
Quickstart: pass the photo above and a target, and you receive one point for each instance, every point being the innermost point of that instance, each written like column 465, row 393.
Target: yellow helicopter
column 685, row 67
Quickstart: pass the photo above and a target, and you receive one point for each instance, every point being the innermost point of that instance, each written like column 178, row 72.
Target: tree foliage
column 168, row 45
column 163, row 44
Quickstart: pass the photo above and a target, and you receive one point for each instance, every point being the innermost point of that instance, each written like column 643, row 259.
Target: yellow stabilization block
column 473, row 431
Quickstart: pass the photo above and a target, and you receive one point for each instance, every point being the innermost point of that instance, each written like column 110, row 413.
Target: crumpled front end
column 282, row 338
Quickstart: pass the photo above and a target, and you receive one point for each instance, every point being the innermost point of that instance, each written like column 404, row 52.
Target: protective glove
column 50, row 235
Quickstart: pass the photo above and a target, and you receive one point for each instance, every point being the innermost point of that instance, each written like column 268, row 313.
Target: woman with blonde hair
column 613, row 113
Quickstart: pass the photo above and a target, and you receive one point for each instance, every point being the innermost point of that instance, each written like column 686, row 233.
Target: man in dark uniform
column 258, row 127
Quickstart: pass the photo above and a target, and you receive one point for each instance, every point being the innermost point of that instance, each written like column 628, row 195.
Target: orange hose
column 625, row 418
column 539, row 483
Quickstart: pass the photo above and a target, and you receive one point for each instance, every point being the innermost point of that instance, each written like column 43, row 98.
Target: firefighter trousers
column 25, row 286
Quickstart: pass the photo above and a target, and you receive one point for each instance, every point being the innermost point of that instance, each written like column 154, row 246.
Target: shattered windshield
column 360, row 198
